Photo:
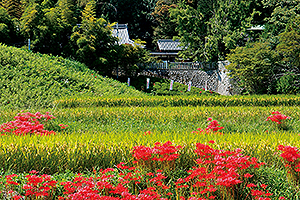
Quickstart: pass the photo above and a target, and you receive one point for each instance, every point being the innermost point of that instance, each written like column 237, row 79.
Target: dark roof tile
column 169, row 45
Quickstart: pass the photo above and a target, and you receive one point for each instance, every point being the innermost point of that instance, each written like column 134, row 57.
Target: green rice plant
column 275, row 179
column 178, row 101
column 104, row 136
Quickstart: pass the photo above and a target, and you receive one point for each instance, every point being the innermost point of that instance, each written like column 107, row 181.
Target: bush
column 287, row 84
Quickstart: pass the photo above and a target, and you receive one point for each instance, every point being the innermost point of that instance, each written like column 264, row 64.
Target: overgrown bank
column 35, row 80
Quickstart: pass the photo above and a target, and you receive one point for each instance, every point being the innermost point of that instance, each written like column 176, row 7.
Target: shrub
column 288, row 84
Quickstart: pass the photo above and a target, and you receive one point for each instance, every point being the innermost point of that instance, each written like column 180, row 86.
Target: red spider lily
column 147, row 133
column 27, row 123
column 290, row 154
column 39, row 185
column 225, row 168
column 291, row 160
column 160, row 152
column 63, row 126
column 277, row 117
column 213, row 127
column 10, row 179
column 247, row 175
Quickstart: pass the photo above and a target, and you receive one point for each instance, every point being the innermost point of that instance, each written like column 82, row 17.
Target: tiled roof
column 120, row 31
column 169, row 45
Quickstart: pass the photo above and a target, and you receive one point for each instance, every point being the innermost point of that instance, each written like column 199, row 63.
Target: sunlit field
column 166, row 152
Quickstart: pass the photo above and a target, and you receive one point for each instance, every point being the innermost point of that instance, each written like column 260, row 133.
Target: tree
column 289, row 50
column 254, row 67
column 191, row 30
column 289, row 44
column 7, row 30
column 130, row 55
column 65, row 23
column 273, row 64
column 49, row 28
column 209, row 31
column 30, row 20
column 93, row 40
column 13, row 7
column 164, row 27
column 280, row 14
column 227, row 27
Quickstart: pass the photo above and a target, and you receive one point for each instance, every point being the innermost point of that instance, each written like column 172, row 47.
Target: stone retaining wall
column 214, row 80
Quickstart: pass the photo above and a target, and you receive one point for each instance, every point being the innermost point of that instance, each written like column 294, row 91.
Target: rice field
column 100, row 137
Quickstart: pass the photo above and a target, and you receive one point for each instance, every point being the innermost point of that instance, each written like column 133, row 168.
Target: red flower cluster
column 218, row 174
column 36, row 186
column 277, row 117
column 147, row 133
column 216, row 170
column 291, row 160
column 213, row 127
column 290, row 154
column 111, row 185
column 160, row 152
column 163, row 153
column 27, row 123
column 62, row 126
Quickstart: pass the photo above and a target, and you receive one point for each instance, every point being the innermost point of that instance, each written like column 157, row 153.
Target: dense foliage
column 217, row 26
column 67, row 28
column 268, row 67
column 262, row 60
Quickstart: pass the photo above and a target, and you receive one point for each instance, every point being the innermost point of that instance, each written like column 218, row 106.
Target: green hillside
column 34, row 80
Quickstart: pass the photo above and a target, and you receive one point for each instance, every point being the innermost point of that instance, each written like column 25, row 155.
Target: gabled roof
column 120, row 31
column 169, row 45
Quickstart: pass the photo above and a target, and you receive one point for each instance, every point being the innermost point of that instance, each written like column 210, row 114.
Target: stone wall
column 214, row 80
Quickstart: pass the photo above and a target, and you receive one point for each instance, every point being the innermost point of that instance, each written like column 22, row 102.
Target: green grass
column 34, row 80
